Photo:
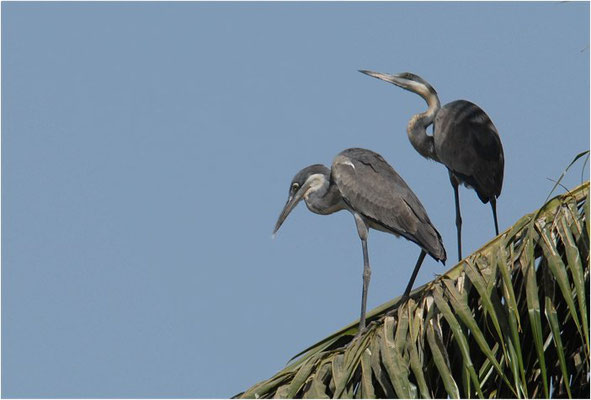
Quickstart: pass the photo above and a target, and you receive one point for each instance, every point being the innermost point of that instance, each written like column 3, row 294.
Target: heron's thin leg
column 493, row 204
column 366, row 278
column 414, row 274
column 454, row 183
column 362, row 230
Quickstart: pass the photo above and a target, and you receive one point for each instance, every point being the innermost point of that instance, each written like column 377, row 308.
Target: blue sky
column 147, row 149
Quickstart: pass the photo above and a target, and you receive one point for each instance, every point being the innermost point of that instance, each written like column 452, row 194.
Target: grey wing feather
column 370, row 186
column 468, row 143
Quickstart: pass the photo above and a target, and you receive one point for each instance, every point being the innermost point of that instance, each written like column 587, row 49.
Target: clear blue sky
column 147, row 150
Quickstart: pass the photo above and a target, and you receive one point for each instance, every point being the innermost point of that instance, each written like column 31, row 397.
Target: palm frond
column 510, row 320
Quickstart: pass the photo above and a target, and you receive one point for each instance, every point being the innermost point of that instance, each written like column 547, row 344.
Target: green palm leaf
column 511, row 320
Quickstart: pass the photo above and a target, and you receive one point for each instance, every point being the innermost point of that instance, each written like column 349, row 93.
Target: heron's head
column 405, row 80
column 303, row 183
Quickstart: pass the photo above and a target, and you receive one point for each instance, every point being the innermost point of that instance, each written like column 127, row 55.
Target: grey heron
column 464, row 140
column 363, row 183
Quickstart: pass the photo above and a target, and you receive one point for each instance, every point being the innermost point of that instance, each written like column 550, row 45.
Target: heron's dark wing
column 468, row 143
column 371, row 187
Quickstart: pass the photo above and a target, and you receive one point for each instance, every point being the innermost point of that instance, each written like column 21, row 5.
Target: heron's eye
column 295, row 186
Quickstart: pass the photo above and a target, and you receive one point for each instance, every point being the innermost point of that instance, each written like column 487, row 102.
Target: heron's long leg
column 414, row 274
column 363, row 230
column 454, row 183
column 493, row 204
column 366, row 277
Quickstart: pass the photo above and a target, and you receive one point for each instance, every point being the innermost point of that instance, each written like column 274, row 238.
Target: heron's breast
column 325, row 209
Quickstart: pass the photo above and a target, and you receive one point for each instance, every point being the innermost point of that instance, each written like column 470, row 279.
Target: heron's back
column 468, row 143
column 371, row 187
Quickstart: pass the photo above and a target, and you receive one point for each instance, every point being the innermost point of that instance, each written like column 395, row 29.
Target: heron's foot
column 394, row 311
column 363, row 331
column 358, row 334
column 356, row 337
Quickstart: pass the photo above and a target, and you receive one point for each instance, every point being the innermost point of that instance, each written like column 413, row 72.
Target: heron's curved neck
column 417, row 127
column 324, row 196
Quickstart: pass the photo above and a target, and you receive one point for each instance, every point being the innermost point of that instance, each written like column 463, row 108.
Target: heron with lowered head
column 363, row 183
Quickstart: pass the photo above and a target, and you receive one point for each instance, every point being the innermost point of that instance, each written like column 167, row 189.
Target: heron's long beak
column 391, row 78
column 292, row 201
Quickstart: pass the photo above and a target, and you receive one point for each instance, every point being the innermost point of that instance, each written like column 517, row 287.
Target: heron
column 363, row 183
column 464, row 139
